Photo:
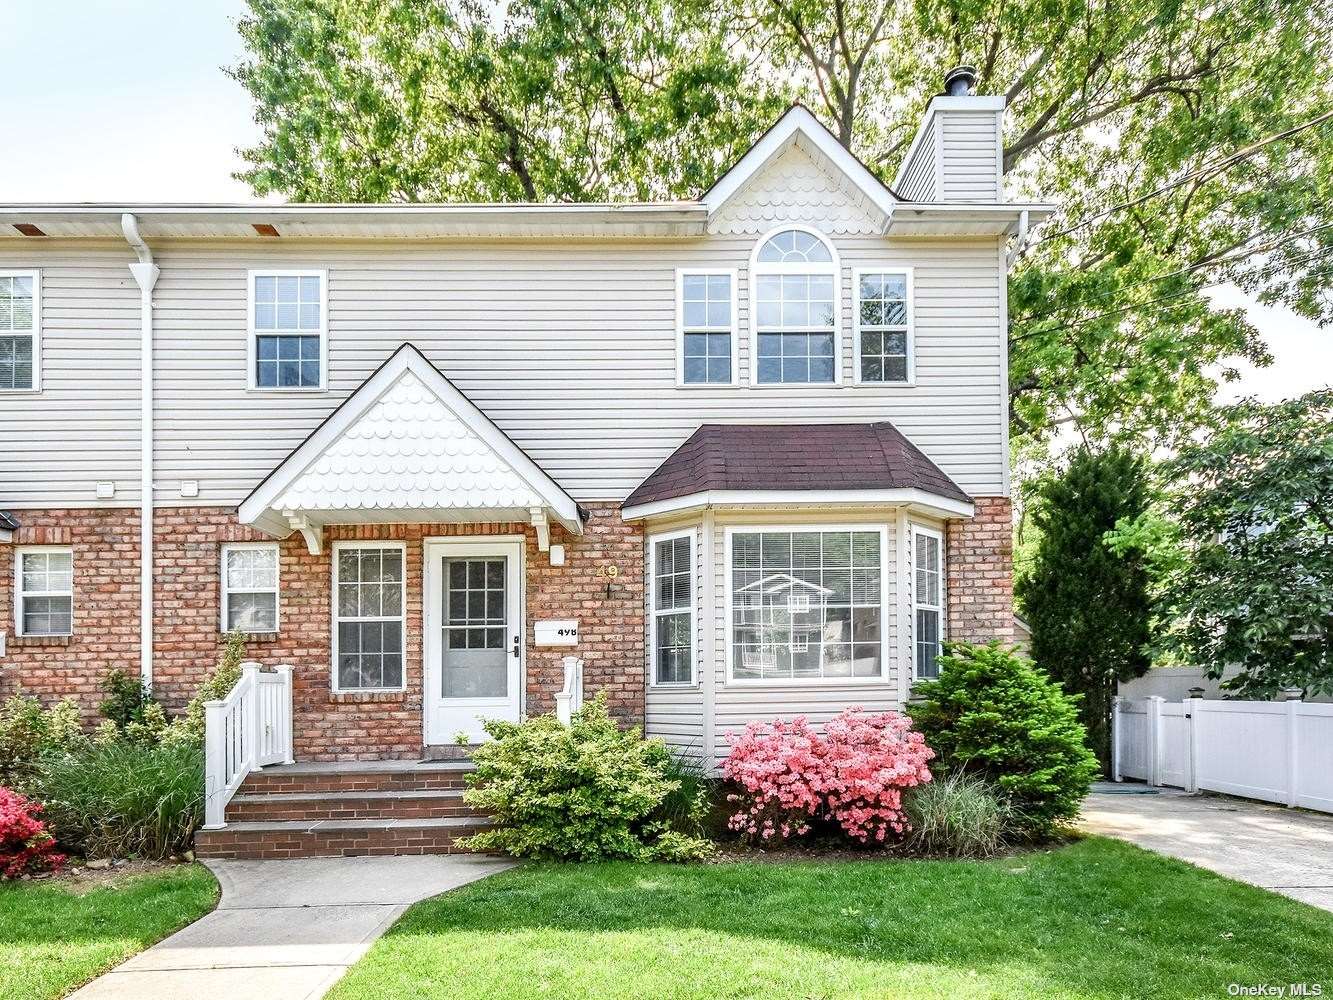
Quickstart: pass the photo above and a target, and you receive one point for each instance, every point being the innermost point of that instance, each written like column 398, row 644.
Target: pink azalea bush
column 852, row 774
column 25, row 845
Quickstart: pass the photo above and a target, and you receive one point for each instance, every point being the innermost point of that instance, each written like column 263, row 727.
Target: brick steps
column 337, row 838
column 346, row 810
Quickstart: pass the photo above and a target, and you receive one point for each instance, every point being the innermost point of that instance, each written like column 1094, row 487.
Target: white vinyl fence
column 1275, row 751
column 250, row 728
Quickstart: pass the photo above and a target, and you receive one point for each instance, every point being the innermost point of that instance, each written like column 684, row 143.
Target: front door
column 474, row 632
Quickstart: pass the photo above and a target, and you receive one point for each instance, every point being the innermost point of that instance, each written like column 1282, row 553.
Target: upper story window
column 250, row 587
column 884, row 326
column 20, row 295
column 288, row 329
column 795, row 278
column 45, row 591
column 706, row 307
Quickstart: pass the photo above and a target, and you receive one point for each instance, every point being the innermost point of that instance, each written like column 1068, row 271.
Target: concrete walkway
column 1286, row 850
column 285, row 930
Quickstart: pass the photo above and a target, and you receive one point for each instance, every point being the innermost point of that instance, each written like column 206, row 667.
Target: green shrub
column 126, row 699
column 586, row 791
column 123, row 798
column 995, row 714
column 189, row 728
column 958, row 816
column 27, row 731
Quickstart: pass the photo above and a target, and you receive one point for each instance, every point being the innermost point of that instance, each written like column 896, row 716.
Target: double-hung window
column 673, row 609
column 44, row 588
column 20, row 309
column 250, row 587
column 795, row 278
column 806, row 604
column 288, row 330
column 884, row 327
column 927, row 599
column 368, row 594
column 706, row 308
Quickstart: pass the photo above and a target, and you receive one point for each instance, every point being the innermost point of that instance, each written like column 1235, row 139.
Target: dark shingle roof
column 795, row 457
column 8, row 522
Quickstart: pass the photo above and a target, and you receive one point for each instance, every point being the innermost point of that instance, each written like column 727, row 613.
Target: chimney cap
column 961, row 81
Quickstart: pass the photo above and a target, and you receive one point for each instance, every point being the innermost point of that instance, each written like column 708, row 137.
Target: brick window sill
column 363, row 697
column 40, row 640
column 256, row 638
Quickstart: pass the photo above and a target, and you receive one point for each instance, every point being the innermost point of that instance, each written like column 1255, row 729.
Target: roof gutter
column 145, row 274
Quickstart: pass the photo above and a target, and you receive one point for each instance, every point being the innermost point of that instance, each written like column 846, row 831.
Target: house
column 422, row 453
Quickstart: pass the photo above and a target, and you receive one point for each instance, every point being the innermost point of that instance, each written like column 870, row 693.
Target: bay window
column 806, row 604
column 927, row 600
column 672, row 562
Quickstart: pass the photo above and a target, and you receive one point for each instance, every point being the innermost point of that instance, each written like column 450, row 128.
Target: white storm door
column 474, row 636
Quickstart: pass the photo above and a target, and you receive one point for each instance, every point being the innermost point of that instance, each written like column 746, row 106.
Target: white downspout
column 145, row 274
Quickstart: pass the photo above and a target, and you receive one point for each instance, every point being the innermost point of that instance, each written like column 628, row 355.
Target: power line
column 1229, row 259
column 1223, row 163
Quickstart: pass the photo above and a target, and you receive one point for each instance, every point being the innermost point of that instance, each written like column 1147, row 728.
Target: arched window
column 795, row 280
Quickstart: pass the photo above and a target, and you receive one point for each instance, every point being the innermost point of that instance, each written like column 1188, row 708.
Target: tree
column 1188, row 143
column 1088, row 605
column 1249, row 529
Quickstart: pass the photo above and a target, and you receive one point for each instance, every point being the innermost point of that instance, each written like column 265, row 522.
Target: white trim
column 909, row 274
column 797, row 121
column 734, row 333
column 654, row 612
column 913, row 529
column 36, row 277
column 251, row 381
column 20, row 593
column 832, row 269
column 224, row 604
column 802, row 526
column 1006, row 480
column 256, row 508
column 341, row 546
column 928, row 503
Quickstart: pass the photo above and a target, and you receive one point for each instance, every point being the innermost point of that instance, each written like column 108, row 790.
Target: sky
column 126, row 100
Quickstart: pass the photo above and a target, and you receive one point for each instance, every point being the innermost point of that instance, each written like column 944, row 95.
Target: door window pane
column 475, row 648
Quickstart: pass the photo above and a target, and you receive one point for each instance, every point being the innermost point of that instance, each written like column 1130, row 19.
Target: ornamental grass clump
column 957, row 816
column 790, row 778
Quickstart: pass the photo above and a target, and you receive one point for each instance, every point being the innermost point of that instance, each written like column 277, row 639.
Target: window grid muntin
column 385, row 632
column 250, row 580
column 20, row 305
column 482, row 588
column 673, row 609
column 884, row 334
column 927, row 601
column 706, row 335
column 855, row 603
column 288, row 330
column 794, row 314
column 44, row 588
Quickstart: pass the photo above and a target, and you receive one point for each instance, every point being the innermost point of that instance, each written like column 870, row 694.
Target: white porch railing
column 243, row 732
column 1277, row 751
column 570, row 698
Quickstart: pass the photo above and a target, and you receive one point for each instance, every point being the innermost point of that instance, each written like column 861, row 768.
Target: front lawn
column 55, row 937
column 1095, row 919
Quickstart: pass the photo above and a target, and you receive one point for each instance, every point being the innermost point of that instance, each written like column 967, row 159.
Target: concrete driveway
column 285, row 930
column 1286, row 850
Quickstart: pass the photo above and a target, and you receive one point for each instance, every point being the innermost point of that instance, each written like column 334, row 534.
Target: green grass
column 52, row 940
column 1097, row 918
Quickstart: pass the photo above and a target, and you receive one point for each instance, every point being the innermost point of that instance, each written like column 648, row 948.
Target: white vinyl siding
column 970, row 156
column 569, row 347
column 369, row 605
column 883, row 319
column 920, row 177
column 44, row 590
column 927, row 601
column 250, row 587
column 20, row 331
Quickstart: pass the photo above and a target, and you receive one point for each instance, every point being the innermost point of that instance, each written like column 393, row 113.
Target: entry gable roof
column 406, row 445
column 799, row 125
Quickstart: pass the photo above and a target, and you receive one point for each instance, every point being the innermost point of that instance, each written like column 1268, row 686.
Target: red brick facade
column 609, row 606
column 980, row 568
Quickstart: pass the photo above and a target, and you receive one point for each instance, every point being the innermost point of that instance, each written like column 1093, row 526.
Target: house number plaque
column 556, row 632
